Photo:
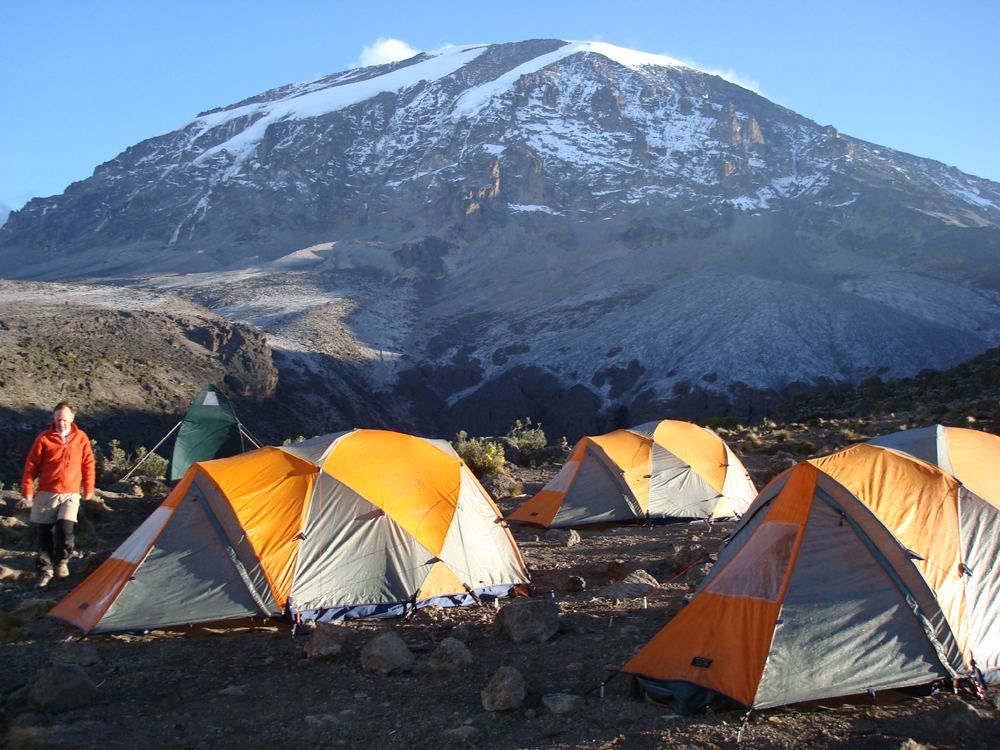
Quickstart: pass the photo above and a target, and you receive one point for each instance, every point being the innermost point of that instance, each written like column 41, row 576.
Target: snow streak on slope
column 320, row 102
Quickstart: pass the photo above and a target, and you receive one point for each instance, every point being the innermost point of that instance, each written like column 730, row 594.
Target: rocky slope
column 129, row 362
column 582, row 234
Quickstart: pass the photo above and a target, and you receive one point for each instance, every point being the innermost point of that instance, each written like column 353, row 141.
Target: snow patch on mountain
column 475, row 99
column 310, row 104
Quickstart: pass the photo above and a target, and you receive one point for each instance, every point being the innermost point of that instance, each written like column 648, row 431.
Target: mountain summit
column 573, row 231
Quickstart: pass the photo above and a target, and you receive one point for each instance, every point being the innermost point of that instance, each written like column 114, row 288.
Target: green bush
column 723, row 423
column 526, row 436
column 483, row 457
column 112, row 464
column 153, row 464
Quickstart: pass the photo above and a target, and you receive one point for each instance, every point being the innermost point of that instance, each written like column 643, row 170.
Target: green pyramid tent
column 210, row 429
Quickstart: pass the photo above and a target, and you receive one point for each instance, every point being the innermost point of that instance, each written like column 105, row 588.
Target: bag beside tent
column 359, row 523
column 209, row 430
column 860, row 571
column 656, row 471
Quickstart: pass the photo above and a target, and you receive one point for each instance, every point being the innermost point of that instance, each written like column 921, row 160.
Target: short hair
column 64, row 405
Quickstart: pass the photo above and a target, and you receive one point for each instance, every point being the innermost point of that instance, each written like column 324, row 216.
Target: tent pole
column 139, row 463
column 249, row 437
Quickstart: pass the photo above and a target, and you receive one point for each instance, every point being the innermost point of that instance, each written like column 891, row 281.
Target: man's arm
column 31, row 468
column 89, row 473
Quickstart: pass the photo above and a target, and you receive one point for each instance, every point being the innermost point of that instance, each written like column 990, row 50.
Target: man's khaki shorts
column 49, row 507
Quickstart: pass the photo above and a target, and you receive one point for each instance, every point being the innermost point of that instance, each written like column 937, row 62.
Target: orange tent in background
column 359, row 523
column 860, row 571
column 656, row 471
column 970, row 455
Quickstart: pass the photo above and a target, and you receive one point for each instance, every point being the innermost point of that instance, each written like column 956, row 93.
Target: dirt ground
column 251, row 685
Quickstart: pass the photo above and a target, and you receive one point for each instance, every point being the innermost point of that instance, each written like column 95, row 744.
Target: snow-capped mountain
column 573, row 231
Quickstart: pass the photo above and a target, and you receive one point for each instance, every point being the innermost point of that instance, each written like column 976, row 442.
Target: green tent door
column 209, row 430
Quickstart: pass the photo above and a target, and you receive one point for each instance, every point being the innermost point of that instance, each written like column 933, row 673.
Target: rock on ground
column 451, row 655
column 61, row 687
column 529, row 620
column 386, row 653
column 505, row 691
column 327, row 641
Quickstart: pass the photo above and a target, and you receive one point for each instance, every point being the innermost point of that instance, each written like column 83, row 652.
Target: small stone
column 327, row 641
column 552, row 728
column 529, row 620
column 575, row 584
column 565, row 537
column 505, row 691
column 561, row 704
column 463, row 733
column 465, row 633
column 574, row 666
column 451, row 655
column 635, row 584
column 501, row 486
column 61, row 687
column 629, row 631
column 386, row 654
column 234, row 690
column 82, row 654
column 530, row 713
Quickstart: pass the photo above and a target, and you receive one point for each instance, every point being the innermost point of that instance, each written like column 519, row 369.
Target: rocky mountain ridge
column 582, row 234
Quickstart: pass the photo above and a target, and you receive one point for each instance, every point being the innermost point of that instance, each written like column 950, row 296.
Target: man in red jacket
column 61, row 460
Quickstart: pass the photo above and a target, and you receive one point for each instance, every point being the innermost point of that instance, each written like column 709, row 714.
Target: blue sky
column 82, row 81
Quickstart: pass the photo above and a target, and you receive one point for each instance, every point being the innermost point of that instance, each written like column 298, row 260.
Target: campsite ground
column 251, row 685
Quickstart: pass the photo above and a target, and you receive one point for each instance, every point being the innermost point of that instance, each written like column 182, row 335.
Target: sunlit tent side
column 971, row 456
column 657, row 471
column 367, row 522
column 860, row 571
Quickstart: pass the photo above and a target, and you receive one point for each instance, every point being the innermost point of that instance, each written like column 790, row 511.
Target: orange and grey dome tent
column 358, row 523
column 656, row 471
column 861, row 571
column 972, row 456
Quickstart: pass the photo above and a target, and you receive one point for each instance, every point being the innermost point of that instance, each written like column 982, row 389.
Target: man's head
column 63, row 415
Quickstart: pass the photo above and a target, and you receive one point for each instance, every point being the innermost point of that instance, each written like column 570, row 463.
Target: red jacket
column 59, row 466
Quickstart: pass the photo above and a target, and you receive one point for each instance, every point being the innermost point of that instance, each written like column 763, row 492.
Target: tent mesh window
column 760, row 568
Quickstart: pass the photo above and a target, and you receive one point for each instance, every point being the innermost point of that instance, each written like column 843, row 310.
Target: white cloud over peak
column 729, row 75
column 385, row 50
column 733, row 77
